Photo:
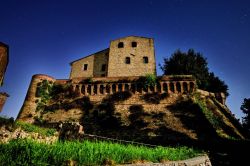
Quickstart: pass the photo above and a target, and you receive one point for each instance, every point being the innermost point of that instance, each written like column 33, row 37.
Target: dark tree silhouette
column 245, row 107
column 181, row 63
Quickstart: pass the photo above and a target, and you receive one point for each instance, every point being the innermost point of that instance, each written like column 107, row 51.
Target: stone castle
column 125, row 57
column 4, row 60
column 117, row 69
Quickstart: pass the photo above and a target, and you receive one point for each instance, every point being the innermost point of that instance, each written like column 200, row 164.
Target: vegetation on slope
column 27, row 152
column 222, row 121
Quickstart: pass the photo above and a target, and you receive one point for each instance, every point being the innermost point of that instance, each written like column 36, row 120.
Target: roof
column 89, row 55
column 132, row 36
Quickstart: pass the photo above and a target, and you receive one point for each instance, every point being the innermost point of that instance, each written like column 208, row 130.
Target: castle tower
column 125, row 57
column 131, row 56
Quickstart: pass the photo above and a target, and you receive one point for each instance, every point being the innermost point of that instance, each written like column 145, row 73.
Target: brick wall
column 3, row 97
column 3, row 61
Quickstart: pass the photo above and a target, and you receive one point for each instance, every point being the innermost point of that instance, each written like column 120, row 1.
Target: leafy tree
column 181, row 63
column 245, row 107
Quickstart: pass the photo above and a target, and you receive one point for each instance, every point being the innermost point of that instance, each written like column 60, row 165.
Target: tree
column 181, row 63
column 245, row 107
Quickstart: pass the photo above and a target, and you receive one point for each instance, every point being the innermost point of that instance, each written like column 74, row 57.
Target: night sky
column 44, row 36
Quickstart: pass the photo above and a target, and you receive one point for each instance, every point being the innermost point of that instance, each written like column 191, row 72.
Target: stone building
column 3, row 97
column 4, row 59
column 125, row 57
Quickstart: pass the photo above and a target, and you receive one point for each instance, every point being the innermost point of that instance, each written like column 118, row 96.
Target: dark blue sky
column 45, row 35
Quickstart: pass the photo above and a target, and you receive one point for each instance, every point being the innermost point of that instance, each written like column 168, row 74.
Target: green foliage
column 32, row 128
column 89, row 80
column 245, row 107
column 150, row 80
column 27, row 152
column 43, row 91
column 181, row 63
column 216, row 121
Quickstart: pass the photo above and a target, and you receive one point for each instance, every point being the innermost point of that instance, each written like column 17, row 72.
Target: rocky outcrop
column 8, row 133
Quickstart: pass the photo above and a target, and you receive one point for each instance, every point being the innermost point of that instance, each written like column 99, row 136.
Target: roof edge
column 133, row 36
column 88, row 55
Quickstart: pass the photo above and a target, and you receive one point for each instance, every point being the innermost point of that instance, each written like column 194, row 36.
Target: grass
column 32, row 128
column 28, row 152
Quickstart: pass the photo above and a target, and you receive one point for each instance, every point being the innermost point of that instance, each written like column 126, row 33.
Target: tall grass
column 28, row 152
column 33, row 128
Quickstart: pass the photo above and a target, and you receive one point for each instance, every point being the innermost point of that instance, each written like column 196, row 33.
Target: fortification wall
column 28, row 110
column 102, row 89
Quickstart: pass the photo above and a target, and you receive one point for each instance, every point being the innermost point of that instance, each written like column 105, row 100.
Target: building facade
column 4, row 60
column 125, row 57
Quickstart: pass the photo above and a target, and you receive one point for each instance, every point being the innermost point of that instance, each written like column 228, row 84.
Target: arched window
column 120, row 45
column 134, row 44
column 127, row 60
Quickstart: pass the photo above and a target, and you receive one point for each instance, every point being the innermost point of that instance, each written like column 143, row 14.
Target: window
column 120, row 45
column 134, row 44
column 145, row 59
column 85, row 67
column 127, row 60
column 103, row 67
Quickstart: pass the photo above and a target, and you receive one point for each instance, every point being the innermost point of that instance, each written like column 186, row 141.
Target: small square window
column 120, row 45
column 104, row 67
column 134, row 44
column 127, row 60
column 85, row 67
column 145, row 59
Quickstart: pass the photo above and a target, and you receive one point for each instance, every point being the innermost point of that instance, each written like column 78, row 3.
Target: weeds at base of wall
column 33, row 128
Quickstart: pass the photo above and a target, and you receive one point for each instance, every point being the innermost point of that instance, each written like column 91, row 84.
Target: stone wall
column 164, row 86
column 94, row 62
column 28, row 110
column 114, row 59
column 3, row 97
column 3, row 60
column 103, row 88
column 137, row 67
